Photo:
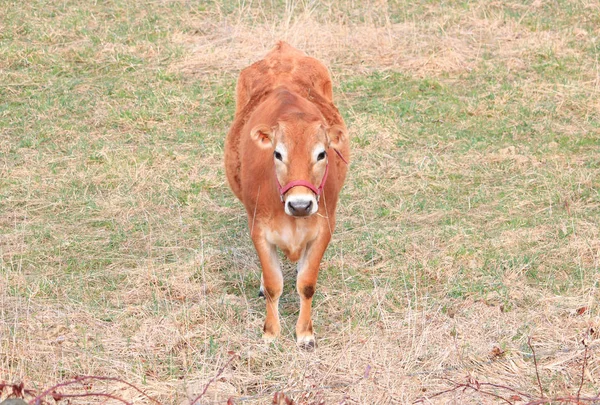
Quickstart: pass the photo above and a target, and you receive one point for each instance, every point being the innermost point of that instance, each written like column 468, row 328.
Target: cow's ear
column 337, row 136
column 263, row 136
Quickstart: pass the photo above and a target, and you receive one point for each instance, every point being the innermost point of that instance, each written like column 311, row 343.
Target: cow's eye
column 321, row 156
column 278, row 156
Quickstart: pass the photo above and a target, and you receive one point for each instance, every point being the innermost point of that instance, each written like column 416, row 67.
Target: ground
column 469, row 222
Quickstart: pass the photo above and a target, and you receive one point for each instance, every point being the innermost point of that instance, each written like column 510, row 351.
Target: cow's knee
column 307, row 291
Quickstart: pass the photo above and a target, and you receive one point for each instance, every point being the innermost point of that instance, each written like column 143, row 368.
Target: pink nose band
column 304, row 183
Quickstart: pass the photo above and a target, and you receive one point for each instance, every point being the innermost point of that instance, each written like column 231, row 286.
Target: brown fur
column 292, row 92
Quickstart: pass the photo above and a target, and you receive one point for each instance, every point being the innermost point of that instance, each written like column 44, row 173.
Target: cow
column 286, row 158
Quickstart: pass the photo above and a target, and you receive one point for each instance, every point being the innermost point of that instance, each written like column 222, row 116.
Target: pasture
column 469, row 221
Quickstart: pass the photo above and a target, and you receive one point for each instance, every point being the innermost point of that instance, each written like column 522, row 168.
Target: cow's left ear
column 263, row 136
column 336, row 134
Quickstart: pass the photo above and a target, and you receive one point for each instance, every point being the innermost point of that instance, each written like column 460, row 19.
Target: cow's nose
column 300, row 208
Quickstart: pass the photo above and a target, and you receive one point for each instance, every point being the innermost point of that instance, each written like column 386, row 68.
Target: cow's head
column 300, row 158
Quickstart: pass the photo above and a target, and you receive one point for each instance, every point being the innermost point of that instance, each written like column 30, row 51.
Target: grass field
column 470, row 220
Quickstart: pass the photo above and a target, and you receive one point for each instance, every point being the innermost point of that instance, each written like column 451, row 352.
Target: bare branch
column 537, row 372
column 585, row 356
column 235, row 356
column 80, row 379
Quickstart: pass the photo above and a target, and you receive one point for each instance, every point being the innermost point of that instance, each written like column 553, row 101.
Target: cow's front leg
column 272, row 285
column 308, row 272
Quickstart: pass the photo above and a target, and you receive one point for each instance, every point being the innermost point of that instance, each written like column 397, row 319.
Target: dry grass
column 436, row 41
column 469, row 222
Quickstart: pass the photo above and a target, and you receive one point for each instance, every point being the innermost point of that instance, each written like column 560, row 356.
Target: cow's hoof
column 270, row 332
column 269, row 338
column 307, row 342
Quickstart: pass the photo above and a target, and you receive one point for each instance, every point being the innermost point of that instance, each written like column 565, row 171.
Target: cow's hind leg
column 308, row 271
column 272, row 286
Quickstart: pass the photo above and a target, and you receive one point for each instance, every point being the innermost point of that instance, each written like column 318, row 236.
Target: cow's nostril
column 308, row 206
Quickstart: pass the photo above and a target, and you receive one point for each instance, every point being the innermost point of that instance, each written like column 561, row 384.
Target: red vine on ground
column 511, row 396
column 498, row 392
column 85, row 383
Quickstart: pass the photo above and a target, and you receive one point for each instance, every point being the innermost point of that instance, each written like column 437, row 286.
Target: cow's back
column 284, row 66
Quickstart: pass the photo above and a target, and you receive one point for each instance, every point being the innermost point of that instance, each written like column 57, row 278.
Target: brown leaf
column 279, row 398
column 56, row 396
column 497, row 352
column 581, row 310
column 567, row 207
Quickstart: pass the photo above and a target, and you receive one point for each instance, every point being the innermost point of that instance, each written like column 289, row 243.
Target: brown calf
column 286, row 160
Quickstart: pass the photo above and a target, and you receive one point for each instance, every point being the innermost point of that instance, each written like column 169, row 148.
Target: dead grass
column 468, row 223
column 437, row 42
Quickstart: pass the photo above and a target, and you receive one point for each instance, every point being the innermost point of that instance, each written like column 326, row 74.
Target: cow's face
column 300, row 159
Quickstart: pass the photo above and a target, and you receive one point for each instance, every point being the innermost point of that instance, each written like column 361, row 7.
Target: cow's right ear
column 263, row 136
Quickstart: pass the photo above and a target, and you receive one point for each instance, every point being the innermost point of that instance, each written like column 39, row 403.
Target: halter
column 307, row 184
